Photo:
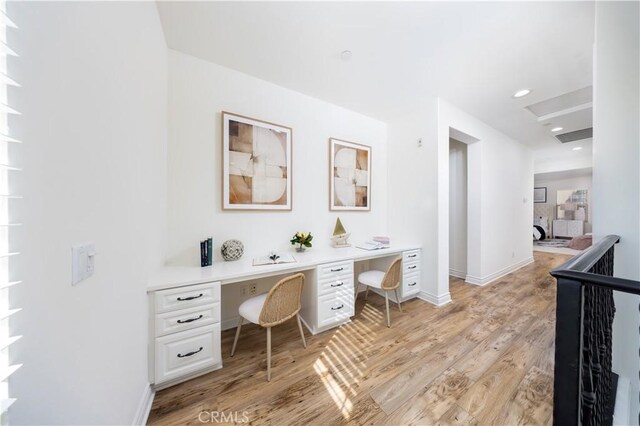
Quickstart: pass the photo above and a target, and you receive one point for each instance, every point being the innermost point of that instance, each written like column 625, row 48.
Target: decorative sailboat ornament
column 340, row 236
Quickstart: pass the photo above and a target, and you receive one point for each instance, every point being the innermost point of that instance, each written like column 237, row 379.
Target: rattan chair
column 270, row 309
column 385, row 281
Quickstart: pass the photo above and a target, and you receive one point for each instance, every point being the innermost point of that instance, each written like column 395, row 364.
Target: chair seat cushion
column 251, row 308
column 371, row 278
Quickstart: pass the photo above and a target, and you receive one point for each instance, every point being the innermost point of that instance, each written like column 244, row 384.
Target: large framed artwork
column 256, row 164
column 349, row 175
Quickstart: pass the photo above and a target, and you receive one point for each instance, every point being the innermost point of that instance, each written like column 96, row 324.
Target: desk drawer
column 186, row 319
column 333, row 270
column 410, row 283
column 340, row 282
column 183, row 353
column 187, row 297
column 335, row 307
column 411, row 256
column 410, row 267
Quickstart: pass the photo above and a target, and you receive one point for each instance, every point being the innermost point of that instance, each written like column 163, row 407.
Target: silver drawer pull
column 338, row 284
column 339, row 307
column 412, row 255
column 412, row 284
column 190, row 319
column 337, row 270
column 412, row 267
column 181, row 299
column 190, row 353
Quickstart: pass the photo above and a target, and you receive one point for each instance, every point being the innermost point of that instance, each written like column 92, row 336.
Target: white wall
column 457, row 208
column 616, row 165
column 500, row 209
column 198, row 92
column 94, row 104
column 500, row 204
column 413, row 191
column 554, row 185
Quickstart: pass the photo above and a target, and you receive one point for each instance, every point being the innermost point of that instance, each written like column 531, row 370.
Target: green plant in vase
column 303, row 239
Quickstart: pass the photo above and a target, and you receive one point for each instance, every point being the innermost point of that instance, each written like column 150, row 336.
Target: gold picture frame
column 349, row 176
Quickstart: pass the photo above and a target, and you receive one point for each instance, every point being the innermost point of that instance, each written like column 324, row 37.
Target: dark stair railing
column 584, row 384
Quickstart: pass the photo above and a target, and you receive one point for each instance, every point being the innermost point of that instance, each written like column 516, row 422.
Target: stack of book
column 206, row 252
column 382, row 240
column 376, row 243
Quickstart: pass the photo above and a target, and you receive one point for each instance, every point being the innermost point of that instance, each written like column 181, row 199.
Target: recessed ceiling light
column 345, row 55
column 556, row 129
column 522, row 92
column 577, row 148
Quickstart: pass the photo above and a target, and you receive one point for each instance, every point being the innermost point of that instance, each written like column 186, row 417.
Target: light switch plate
column 82, row 262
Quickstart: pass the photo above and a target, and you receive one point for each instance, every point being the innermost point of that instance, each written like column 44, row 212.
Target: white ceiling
column 475, row 55
column 564, row 150
column 564, row 174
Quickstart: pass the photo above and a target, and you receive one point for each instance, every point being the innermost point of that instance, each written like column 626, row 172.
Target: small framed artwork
column 349, row 175
column 540, row 195
column 256, row 164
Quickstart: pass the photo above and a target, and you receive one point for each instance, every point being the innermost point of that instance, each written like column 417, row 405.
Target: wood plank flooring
column 485, row 359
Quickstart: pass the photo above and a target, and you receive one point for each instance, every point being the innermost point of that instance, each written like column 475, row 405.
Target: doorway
column 458, row 173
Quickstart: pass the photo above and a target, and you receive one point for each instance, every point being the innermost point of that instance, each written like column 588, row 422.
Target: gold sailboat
column 340, row 235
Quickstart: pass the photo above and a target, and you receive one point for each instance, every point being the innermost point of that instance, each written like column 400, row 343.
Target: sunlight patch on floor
column 349, row 342
column 334, row 388
column 334, row 370
column 338, row 353
column 342, row 365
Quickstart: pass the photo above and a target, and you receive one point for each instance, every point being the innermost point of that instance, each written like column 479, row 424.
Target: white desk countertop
column 243, row 269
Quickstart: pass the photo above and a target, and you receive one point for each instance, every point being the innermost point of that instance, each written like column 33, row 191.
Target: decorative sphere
column 232, row 250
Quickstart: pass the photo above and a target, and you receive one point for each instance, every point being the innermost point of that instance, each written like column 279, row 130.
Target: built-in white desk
column 184, row 301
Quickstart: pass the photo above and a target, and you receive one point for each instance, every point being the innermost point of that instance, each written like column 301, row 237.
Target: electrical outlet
column 249, row 290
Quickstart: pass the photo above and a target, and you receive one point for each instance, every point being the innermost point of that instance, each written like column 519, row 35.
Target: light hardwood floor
column 486, row 358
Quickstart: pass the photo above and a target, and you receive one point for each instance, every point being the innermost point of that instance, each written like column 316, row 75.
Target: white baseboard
column 457, row 274
column 144, row 408
column 482, row 281
column 440, row 300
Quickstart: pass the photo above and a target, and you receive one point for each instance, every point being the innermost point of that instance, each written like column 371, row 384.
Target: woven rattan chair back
column 283, row 301
column 391, row 278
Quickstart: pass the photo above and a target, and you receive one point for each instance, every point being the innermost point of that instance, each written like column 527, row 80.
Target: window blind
column 8, row 209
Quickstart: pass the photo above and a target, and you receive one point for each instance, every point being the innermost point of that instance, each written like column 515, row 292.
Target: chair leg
column 366, row 293
column 235, row 341
column 268, row 354
column 386, row 300
column 357, row 291
column 304, row 342
column 395, row 290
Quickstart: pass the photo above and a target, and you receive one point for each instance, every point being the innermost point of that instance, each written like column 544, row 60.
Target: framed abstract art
column 256, row 164
column 349, row 175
